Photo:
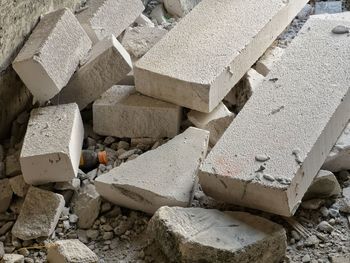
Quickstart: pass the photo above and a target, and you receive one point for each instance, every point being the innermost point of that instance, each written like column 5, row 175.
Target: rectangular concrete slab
column 107, row 64
column 122, row 112
column 52, row 53
column 164, row 176
column 270, row 154
column 52, row 144
column 208, row 52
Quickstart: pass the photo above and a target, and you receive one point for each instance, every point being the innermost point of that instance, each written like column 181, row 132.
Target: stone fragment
column 207, row 235
column 143, row 20
column 12, row 165
column 52, row 145
column 121, row 112
column 107, row 64
column 329, row 7
column 73, row 184
column 109, row 17
column 12, row 258
column 39, row 214
column 2, row 251
column 164, row 176
column 216, row 122
column 139, row 40
column 158, row 15
column 19, row 186
column 279, row 121
column 52, row 53
column 324, row 185
column 180, row 8
column 178, row 71
column 86, row 205
column 5, row 195
column 70, row 251
column 324, row 226
column 268, row 60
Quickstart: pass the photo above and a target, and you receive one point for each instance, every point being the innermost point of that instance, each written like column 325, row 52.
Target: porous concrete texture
column 207, row 235
column 177, row 71
column 121, row 112
column 164, row 176
column 324, row 185
column 180, row 8
column 39, row 214
column 70, row 251
column 339, row 157
column 216, row 122
column 5, row 195
column 139, row 40
column 52, row 144
column 266, row 62
column 279, row 126
column 52, row 53
column 109, row 17
column 108, row 64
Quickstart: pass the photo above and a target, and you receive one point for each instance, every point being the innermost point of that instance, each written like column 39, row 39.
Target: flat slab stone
column 52, row 145
column 272, row 151
column 12, row 258
column 109, row 17
column 39, row 214
column 178, row 71
column 201, row 235
column 52, row 53
column 122, row 112
column 164, row 176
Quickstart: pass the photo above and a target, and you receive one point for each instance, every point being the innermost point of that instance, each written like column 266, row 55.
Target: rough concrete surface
column 279, row 126
column 180, row 8
column 164, row 176
column 178, row 71
column 266, row 62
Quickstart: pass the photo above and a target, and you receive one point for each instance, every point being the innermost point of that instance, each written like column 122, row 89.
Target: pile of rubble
column 181, row 115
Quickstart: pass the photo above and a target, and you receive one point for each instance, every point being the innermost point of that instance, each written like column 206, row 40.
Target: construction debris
column 329, row 7
column 266, row 62
column 180, row 8
column 12, row 258
column 5, row 195
column 324, row 185
column 52, row 53
column 277, row 123
column 19, row 186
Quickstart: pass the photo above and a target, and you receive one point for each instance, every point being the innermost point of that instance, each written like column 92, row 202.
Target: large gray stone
column 196, row 235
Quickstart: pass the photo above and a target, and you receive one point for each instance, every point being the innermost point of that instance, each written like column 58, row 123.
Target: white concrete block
column 324, row 185
column 52, row 145
column 339, row 157
column 164, row 176
column 39, row 214
column 197, row 63
column 121, row 112
column 288, row 126
column 207, row 235
column 216, row 122
column 109, row 17
column 108, row 64
column 5, row 195
column 180, row 8
column 52, row 53
column 268, row 60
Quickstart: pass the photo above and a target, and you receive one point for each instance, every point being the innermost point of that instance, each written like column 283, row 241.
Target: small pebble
column 262, row 158
column 340, row 29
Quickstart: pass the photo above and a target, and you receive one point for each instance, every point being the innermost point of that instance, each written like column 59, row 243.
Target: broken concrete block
column 52, row 145
column 268, row 60
column 5, row 195
column 39, row 214
column 143, row 20
column 164, row 176
column 339, row 157
column 108, row 63
column 216, row 122
column 139, row 40
column 324, row 185
column 86, row 205
column 177, row 71
column 329, row 7
column 180, row 8
column 19, row 186
column 121, row 112
column 279, row 125
column 109, row 17
column 207, row 235
column 70, row 251
column 52, row 53
column 12, row 258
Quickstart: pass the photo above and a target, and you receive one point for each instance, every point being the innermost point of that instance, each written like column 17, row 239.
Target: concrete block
column 19, row 186
column 216, row 122
column 180, row 8
column 268, row 60
column 324, row 185
column 178, row 71
column 207, row 235
column 70, row 251
column 279, row 125
column 52, row 53
column 39, row 214
column 52, row 145
column 329, row 7
column 164, row 176
column 5, row 195
column 12, row 258
column 121, row 112
column 108, row 63
column 139, row 40
column 143, row 20
column 339, row 157
column 109, row 17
